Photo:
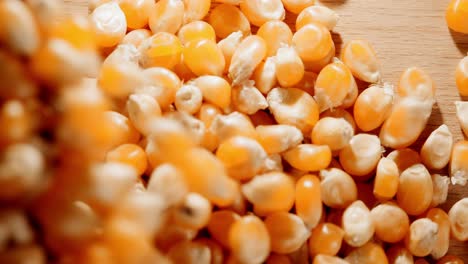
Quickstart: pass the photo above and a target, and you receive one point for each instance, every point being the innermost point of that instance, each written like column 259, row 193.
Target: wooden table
column 404, row 33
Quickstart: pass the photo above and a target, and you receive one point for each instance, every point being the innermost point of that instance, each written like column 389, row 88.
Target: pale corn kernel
column 194, row 127
column 264, row 75
column 404, row 158
column 309, row 157
column 204, row 57
column 278, row 259
column 287, row 232
column 136, row 12
column 270, row 192
column 415, row 190
column 18, row 28
column 289, row 67
column 207, row 114
column 361, row 155
column 422, row 237
column 333, row 84
column 234, row 124
column 247, row 99
column 357, row 224
column 308, row 203
column 136, row 37
column 275, row 33
column 227, row 19
column 219, row 225
column 440, row 189
column 109, row 24
column 461, row 76
column 456, row 16
column 369, row 253
column 314, row 44
column 450, row 259
column 462, row 115
column 435, row 153
column 217, row 256
column 441, row 218
column 373, row 106
column 190, row 252
column 141, row 110
column 243, row 157
column 196, row 10
column 259, row 12
column 162, row 84
column 188, row 99
column 458, row 164
column 228, row 46
column 338, row 189
column 166, row 16
column 122, row 129
column 160, row 50
column 173, row 234
column 406, row 122
column 249, row 240
column 386, row 179
column 167, row 181
column 215, row 90
column 325, row 259
column 414, row 82
column 333, row 132
column 326, row 239
column 390, row 221
column 272, row 163
column 296, row 6
column 196, row 30
column 194, row 212
column 291, row 106
column 317, row 14
column 398, row 254
column 246, row 57
column 361, row 58
column 130, row 154
column 278, row 138
column 458, row 216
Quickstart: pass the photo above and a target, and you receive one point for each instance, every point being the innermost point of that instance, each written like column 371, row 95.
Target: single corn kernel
column 414, row 82
column 361, row 156
column 415, row 190
column 190, row 252
column 461, row 76
column 196, row 10
column 166, row 16
column 358, row 225
column 162, row 84
column 462, row 115
column 325, row 259
column 217, row 256
column 278, row 138
column 136, row 37
column 243, row 157
column 249, row 240
column 386, row 179
column 168, row 181
column 333, row 132
column 141, row 110
column 456, row 16
column 309, row 157
column 314, row 45
column 450, row 259
column 247, row 99
column 398, row 254
column 351, row 97
column 194, row 212
column 246, row 57
column 136, row 12
column 264, row 75
column 360, row 57
column 404, row 158
column 207, row 114
column 373, row 106
column 440, row 189
column 308, row 202
column 76, row 30
column 367, row 254
column 435, row 153
column 109, row 24
column 326, row 239
column 441, row 218
column 188, row 99
column 219, row 225
column 204, row 57
column 338, row 189
column 122, row 129
column 458, row 216
column 332, row 85
column 259, row 12
column 227, row 19
column 297, row 6
column 234, row 124
column 215, row 90
column 278, row 259
column 291, row 106
column 272, row 163
column 160, row 50
column 458, row 164
column 276, row 33
column 270, row 192
column 228, row 46
column 422, row 237
column 130, row 154
column 196, row 30
column 287, row 232
column 317, row 14
column 289, row 67
column 390, row 221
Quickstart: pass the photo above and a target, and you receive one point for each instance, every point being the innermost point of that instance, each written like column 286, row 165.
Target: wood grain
column 404, row 33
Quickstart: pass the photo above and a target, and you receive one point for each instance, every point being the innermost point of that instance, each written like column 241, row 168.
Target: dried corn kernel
column 219, row 225
column 441, row 218
column 459, row 220
column 136, row 12
column 390, row 221
column 361, row 59
column 204, row 57
column 259, row 12
column 196, row 10
column 166, row 16
column 338, row 189
column 317, row 14
column 456, row 16
column 309, row 157
column 333, row 132
column 234, row 124
column 326, row 239
column 247, row 56
column 440, row 190
column 275, row 33
column 435, row 153
column 358, row 226
column 136, row 37
column 287, row 232
column 249, row 240
column 367, row 254
column 196, row 30
column 458, row 164
column 315, row 46
column 415, row 189
column 188, row 99
column 461, row 77
column 109, row 24
column 422, row 237
column 404, row 158
column 461, row 112
column 386, row 179
column 361, row 155
column 399, row 255
column 278, row 138
column 265, row 75
column 248, row 99
column 227, row 19
column 190, row 252
column 289, row 67
column 130, row 154
column 228, row 46
column 308, row 202
column 160, row 50
column 295, row 6
column 325, row 259
column 194, row 212
column 373, row 106
column 141, row 110
column 168, row 181
column 414, row 82
column 160, row 83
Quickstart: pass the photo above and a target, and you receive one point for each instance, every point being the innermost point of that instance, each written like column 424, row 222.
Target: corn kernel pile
column 186, row 131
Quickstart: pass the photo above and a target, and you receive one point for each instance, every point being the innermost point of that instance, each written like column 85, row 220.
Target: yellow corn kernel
column 77, row 31
column 361, row 155
column 309, row 157
column 293, row 106
column 196, row 30
column 166, row 16
column 234, row 124
column 109, row 24
column 458, row 164
column 361, row 59
column 136, row 12
column 398, row 254
column 141, row 110
column 333, row 85
column 326, row 239
column 435, row 153
column 204, row 57
column 219, row 225
column 351, row 97
column 325, row 259
column 333, row 132
column 414, row 82
column 278, row 138
column 308, row 202
column 194, row 212
column 367, row 254
column 160, row 50
column 461, row 77
column 440, row 189
column 462, row 116
column 259, row 12
column 130, row 154
column 196, row 10
column 386, row 179
column 456, row 16
column 415, row 189
column 422, row 237
column 136, row 37
column 123, row 130
column 160, row 83
column 295, row 6
column 190, row 252
column 287, row 232
column 228, row 45
column 373, row 106
column 264, row 75
column 338, row 189
column 459, row 220
column 275, row 33
column 247, row 99
column 441, row 218
column 357, row 224
column 317, row 14
column 289, row 67
column 314, row 44
column 247, row 56
column 168, row 182
column 227, row 19
column 207, row 114
column 249, row 240
column 404, row 158
column 390, row 221
column 215, row 90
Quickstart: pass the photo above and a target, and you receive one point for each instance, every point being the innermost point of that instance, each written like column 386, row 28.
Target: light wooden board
column 404, row 33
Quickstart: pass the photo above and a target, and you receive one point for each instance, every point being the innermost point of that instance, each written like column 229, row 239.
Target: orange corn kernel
column 326, row 239
column 196, row 30
column 457, row 16
column 373, row 106
column 227, row 19
column 136, row 37
column 287, row 232
column 215, row 90
column 459, row 220
column 338, row 189
column 404, row 158
column 275, row 33
column 219, row 225
column 450, row 259
column 317, row 14
column 278, row 138
column 435, row 153
column 109, row 24
column 461, row 77
column 386, row 179
column 122, row 128
column 161, row 84
column 308, row 202
column 141, row 110
column 361, row 156
column 309, row 157
column 390, row 221
column 414, row 82
column 17, row 122
column 249, row 240
column 295, row 6
column 367, row 254
column 340, row 113
column 325, row 259
column 204, row 57
column 264, row 75
column 196, row 10
column 161, row 50
column 422, row 237
column 458, row 164
column 217, row 256
column 441, row 218
column 259, row 12
column 289, row 67
column 415, row 189
column 360, row 57
column 189, row 252
column 314, row 44
column 130, row 154
column 358, row 226
column 136, row 12
column 246, row 57
column 166, row 16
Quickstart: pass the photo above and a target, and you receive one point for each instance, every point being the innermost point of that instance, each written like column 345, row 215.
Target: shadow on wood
column 460, row 40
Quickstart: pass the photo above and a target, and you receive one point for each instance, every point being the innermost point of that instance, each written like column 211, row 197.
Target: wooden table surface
column 404, row 33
